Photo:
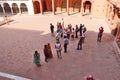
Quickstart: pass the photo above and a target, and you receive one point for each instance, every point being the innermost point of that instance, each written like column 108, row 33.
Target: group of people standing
column 47, row 53
column 66, row 34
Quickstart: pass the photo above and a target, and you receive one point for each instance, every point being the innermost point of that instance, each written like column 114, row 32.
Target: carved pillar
column 53, row 7
column 41, row 7
column 3, row 8
column 68, row 7
column 11, row 9
column 20, row 12
column 82, row 8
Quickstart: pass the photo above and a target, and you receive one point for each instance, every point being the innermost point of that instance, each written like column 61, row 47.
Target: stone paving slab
column 21, row 38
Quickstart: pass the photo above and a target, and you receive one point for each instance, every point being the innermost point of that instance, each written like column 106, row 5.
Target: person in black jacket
column 52, row 29
column 80, row 29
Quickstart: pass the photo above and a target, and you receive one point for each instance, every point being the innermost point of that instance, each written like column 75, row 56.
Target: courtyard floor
column 20, row 38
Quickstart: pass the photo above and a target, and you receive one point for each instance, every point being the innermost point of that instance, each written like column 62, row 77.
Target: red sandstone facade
column 113, row 17
column 109, row 9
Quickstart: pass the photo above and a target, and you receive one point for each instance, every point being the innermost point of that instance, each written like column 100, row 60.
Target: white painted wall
column 28, row 3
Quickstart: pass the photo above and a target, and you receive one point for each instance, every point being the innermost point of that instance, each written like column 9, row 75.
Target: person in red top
column 101, row 30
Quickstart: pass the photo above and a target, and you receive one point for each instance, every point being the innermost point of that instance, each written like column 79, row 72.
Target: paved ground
column 25, row 34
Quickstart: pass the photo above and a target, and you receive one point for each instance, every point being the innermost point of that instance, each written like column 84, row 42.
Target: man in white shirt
column 58, row 49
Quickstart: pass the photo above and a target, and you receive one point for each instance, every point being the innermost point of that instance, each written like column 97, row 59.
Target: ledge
column 3, row 22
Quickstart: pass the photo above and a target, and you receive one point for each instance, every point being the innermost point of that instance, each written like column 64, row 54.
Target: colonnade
column 16, row 7
column 55, row 6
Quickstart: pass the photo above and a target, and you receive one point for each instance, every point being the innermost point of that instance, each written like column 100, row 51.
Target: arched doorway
column 49, row 6
column 15, row 8
column 44, row 6
column 7, row 8
column 76, row 7
column 23, row 8
column 64, row 6
column 87, row 7
column 1, row 10
column 36, row 5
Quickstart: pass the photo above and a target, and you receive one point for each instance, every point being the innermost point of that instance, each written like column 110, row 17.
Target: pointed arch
column 15, row 8
column 44, row 6
column 87, row 6
column 7, row 8
column 76, row 6
column 49, row 5
column 64, row 5
column 23, row 8
column 36, row 6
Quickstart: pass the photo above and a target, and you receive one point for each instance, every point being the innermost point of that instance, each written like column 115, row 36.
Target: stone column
column 11, row 10
column 41, row 7
column 20, row 12
column 53, row 7
column 3, row 8
column 68, row 7
column 82, row 8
